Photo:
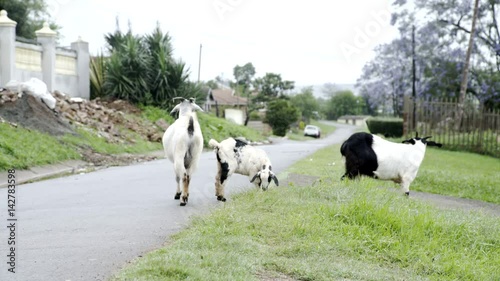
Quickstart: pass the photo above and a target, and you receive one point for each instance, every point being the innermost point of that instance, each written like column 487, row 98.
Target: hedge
column 389, row 127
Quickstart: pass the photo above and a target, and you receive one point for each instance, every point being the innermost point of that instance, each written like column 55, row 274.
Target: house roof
column 226, row 97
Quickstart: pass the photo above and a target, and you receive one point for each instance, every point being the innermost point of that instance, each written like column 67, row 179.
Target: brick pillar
column 82, row 67
column 7, row 48
column 47, row 37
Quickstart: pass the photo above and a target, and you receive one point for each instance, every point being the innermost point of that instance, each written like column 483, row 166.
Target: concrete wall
column 235, row 115
column 65, row 70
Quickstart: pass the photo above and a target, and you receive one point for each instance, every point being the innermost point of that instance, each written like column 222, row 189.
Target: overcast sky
column 310, row 42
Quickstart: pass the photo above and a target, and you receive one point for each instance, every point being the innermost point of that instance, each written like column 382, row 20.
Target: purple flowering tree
column 441, row 40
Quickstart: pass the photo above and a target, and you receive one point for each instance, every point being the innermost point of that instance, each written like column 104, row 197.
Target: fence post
column 47, row 37
column 406, row 115
column 82, row 67
column 7, row 48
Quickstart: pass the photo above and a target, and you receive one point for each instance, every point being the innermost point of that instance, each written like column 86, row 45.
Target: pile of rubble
column 108, row 118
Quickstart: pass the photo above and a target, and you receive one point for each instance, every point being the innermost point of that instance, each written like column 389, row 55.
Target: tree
column 329, row 89
column 343, row 103
column 465, row 74
column 244, row 75
column 141, row 69
column 29, row 15
column 306, row 103
column 442, row 43
column 271, row 86
column 387, row 78
column 280, row 115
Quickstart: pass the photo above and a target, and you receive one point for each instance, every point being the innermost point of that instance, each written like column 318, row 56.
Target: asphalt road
column 88, row 226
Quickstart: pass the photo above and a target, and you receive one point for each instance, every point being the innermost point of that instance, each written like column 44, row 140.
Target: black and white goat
column 236, row 156
column 370, row 155
column 183, row 143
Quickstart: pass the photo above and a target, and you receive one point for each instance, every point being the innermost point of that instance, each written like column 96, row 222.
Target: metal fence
column 478, row 129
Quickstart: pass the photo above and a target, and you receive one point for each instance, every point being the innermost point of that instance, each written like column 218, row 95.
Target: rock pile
column 108, row 118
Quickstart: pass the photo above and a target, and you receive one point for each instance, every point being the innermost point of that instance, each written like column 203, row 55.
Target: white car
column 312, row 131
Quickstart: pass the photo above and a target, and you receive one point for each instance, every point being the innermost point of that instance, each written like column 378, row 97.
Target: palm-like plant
column 97, row 78
column 142, row 70
column 127, row 72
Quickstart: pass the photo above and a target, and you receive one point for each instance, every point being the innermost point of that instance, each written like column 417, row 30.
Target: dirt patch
column 112, row 120
column 31, row 113
column 107, row 160
column 299, row 180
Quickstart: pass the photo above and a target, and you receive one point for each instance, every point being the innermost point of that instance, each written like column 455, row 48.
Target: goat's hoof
column 184, row 200
column 221, row 198
column 407, row 193
column 177, row 196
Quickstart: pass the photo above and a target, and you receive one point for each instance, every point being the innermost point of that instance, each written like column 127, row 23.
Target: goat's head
column 264, row 177
column 424, row 141
column 186, row 106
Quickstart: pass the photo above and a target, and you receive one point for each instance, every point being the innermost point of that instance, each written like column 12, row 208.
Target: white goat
column 236, row 156
column 183, row 143
column 370, row 155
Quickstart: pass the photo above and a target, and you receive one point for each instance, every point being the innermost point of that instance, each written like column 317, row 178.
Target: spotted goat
column 370, row 155
column 237, row 156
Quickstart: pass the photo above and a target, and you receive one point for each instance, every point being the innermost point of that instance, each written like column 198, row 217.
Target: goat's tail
column 213, row 143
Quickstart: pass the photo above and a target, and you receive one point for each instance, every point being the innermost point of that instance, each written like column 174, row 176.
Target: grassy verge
column 353, row 230
column 89, row 138
column 211, row 126
column 460, row 174
column 21, row 148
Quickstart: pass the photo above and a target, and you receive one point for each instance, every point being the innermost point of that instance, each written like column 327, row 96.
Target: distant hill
column 318, row 93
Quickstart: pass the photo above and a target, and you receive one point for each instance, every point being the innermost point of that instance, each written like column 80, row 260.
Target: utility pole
column 199, row 66
column 413, row 90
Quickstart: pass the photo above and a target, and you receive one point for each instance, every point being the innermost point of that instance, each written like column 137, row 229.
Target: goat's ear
column 433, row 143
column 275, row 179
column 175, row 109
column 254, row 177
column 412, row 141
column 196, row 107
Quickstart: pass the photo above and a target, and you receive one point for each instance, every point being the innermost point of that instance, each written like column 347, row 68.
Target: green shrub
column 280, row 115
column 389, row 127
column 255, row 116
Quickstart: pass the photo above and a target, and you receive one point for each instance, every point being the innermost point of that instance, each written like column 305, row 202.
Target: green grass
column 21, row 148
column 211, row 126
column 153, row 113
column 219, row 129
column 352, row 230
column 460, row 174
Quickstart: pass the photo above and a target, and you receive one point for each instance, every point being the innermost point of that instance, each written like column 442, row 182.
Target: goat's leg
column 219, row 190
column 178, row 192
column 405, row 186
column 223, row 173
column 185, row 189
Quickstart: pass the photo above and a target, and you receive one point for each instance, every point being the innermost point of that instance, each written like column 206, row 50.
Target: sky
column 310, row 42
